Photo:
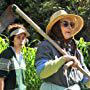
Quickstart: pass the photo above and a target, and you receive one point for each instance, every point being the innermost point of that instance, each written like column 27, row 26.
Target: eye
column 72, row 24
column 65, row 23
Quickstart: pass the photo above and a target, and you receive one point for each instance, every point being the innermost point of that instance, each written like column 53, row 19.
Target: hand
column 68, row 58
column 76, row 62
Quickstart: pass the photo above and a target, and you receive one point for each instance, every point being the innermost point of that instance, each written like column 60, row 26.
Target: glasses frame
column 67, row 23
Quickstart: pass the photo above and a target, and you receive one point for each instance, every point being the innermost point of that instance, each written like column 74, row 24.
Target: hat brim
column 19, row 31
column 79, row 22
column 27, row 34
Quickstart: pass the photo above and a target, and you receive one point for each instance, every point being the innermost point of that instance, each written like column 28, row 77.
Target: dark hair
column 11, row 40
column 15, row 26
column 55, row 32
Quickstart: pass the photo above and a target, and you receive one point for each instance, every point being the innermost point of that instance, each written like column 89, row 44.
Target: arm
column 46, row 68
column 45, row 63
column 1, row 83
column 4, row 68
column 50, row 67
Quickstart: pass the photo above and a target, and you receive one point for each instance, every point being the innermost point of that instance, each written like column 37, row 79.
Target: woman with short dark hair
column 12, row 64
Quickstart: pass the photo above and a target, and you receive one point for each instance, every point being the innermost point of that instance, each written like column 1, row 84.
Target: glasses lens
column 72, row 24
column 67, row 23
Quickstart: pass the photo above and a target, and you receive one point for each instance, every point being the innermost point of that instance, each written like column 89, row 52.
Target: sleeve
column 4, row 64
column 43, row 55
column 4, row 67
column 45, row 64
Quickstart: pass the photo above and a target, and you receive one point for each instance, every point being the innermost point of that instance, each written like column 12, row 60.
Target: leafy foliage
column 32, row 80
column 41, row 10
column 85, row 49
column 3, row 44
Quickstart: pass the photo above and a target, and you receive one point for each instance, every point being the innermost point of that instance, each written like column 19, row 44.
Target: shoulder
column 7, row 53
column 46, row 44
column 47, row 48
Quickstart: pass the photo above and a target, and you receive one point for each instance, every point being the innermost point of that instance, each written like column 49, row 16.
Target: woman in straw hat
column 50, row 64
column 12, row 64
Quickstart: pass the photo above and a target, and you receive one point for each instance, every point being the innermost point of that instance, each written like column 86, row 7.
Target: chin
column 67, row 38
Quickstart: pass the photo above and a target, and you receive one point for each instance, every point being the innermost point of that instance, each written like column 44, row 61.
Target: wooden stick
column 41, row 32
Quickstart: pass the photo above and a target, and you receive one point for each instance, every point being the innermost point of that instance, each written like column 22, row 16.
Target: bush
column 32, row 80
column 3, row 44
column 85, row 49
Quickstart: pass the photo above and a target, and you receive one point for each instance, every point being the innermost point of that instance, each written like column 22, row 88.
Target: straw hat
column 61, row 14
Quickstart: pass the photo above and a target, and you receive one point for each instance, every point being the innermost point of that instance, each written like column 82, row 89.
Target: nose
column 69, row 27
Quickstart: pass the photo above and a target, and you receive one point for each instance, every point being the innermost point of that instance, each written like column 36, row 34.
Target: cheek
column 63, row 31
column 16, row 41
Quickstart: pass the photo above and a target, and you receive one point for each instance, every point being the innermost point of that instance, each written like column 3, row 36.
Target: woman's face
column 67, row 27
column 19, row 40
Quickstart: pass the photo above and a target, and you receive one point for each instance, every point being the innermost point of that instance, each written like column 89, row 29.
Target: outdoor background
column 40, row 11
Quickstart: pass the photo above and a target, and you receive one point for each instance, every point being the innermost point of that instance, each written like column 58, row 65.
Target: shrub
column 32, row 80
column 3, row 44
column 85, row 49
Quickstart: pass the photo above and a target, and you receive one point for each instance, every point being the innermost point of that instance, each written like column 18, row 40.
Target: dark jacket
column 9, row 70
column 49, row 52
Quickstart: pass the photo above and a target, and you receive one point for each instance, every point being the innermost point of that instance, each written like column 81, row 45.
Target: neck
column 67, row 40
column 17, row 49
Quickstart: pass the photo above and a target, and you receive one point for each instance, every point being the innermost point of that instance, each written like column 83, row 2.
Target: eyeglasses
column 68, row 23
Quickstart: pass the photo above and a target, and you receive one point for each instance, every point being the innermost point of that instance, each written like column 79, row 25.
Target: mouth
column 68, row 32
